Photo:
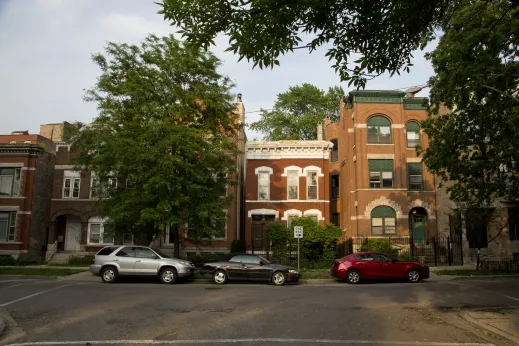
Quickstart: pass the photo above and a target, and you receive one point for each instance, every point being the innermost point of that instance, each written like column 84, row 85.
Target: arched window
column 379, row 130
column 412, row 130
column 383, row 221
column 335, row 150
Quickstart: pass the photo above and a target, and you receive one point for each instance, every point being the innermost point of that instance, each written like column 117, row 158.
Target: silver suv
column 114, row 261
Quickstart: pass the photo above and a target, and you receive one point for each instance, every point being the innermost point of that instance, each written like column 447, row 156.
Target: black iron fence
column 505, row 266
column 436, row 251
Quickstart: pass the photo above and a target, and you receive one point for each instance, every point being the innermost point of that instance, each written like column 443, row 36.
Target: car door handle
column 116, row 260
column 138, row 261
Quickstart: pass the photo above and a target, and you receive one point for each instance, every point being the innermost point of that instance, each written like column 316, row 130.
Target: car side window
column 251, row 260
column 126, row 252
column 382, row 258
column 145, row 253
column 237, row 259
column 365, row 257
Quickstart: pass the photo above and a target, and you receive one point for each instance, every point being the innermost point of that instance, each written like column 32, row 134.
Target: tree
column 378, row 36
column 318, row 242
column 162, row 140
column 297, row 112
column 472, row 133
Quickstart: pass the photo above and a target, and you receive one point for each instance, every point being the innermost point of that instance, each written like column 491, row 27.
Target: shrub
column 318, row 242
column 379, row 245
column 76, row 260
column 32, row 257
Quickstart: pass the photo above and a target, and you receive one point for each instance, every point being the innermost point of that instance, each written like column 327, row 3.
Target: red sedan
column 375, row 265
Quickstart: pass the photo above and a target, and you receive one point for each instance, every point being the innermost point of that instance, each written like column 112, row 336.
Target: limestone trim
column 381, row 156
column 313, row 169
column 263, row 212
column 264, row 169
column 419, row 203
column 288, row 201
column 383, row 201
column 11, row 164
column 314, row 212
column 414, row 159
column 9, row 208
column 292, row 168
column 291, row 212
column 289, row 149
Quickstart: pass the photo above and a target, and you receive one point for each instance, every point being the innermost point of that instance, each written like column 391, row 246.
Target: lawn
column 39, row 271
column 469, row 272
column 316, row 274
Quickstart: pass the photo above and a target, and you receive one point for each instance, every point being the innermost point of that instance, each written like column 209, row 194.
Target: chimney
column 319, row 131
column 19, row 133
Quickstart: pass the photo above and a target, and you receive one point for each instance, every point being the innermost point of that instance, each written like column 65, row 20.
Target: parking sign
column 298, row 231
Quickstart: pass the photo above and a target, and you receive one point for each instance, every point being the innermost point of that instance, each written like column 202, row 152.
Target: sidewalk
column 503, row 322
column 47, row 267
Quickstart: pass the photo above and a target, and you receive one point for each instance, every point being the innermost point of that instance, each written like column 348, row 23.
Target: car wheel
column 413, row 275
column 168, row 275
column 278, row 279
column 353, row 277
column 109, row 275
column 220, row 277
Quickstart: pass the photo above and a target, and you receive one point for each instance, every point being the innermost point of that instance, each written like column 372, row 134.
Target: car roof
column 370, row 253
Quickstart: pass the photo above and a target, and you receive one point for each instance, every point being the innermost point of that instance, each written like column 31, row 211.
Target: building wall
column 54, row 132
column 30, row 205
column 278, row 203
column 357, row 199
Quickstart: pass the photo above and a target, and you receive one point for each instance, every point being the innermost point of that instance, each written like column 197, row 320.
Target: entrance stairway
column 60, row 257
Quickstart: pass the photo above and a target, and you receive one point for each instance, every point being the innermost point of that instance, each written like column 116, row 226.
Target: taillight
column 93, row 261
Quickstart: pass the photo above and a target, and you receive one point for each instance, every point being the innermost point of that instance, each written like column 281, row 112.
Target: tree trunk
column 177, row 241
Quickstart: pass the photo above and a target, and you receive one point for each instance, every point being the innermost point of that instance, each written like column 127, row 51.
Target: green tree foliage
column 379, row 245
column 364, row 38
column 279, row 238
column 477, row 72
column 160, row 143
column 318, row 242
column 297, row 111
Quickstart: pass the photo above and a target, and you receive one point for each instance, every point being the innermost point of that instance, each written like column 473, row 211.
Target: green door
column 418, row 228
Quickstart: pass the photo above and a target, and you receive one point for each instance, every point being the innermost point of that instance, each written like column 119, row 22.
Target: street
column 147, row 312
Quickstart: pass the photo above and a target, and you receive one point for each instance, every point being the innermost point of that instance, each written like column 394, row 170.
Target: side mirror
column 394, row 261
column 261, row 263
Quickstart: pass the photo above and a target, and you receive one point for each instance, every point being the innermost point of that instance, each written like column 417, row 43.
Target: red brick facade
column 359, row 192
column 277, row 159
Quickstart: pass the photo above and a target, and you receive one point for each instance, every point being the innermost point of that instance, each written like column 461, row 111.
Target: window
column 513, row 223
column 130, row 184
column 221, row 229
column 107, row 250
column 335, row 150
column 263, row 186
column 313, row 217
column 365, row 257
column 383, row 221
column 334, row 181
column 290, row 218
column 71, row 184
column 336, row 219
column 7, row 226
column 112, row 183
column 251, row 259
column 379, row 130
column 10, row 181
column 311, row 184
column 293, row 184
column 382, row 258
column 412, row 130
column 414, row 170
column 380, row 173
column 126, row 252
column 97, row 234
column 142, row 252
column 237, row 259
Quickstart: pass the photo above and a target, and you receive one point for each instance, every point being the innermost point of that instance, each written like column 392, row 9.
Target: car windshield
column 264, row 260
column 162, row 254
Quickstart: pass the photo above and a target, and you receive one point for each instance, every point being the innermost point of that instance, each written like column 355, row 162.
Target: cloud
column 131, row 26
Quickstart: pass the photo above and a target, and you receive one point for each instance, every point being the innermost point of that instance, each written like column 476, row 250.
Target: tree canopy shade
column 365, row 38
column 163, row 134
column 473, row 137
column 297, row 111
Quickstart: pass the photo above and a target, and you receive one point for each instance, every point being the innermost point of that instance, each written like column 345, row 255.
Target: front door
column 418, row 228
column 125, row 258
column 146, row 262
column 73, row 236
column 259, row 232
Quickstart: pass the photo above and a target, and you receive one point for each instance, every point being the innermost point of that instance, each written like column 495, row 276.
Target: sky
column 45, row 61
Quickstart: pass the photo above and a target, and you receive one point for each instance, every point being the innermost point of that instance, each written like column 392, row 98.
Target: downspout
column 355, row 167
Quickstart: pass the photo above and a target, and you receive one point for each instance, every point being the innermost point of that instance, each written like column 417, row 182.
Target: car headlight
column 184, row 263
column 293, row 271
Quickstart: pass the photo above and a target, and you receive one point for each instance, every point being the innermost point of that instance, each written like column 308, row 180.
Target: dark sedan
column 249, row 268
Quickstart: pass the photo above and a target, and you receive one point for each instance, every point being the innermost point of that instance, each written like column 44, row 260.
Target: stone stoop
column 60, row 258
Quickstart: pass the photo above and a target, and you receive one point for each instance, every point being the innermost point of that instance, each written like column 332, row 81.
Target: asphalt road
column 244, row 314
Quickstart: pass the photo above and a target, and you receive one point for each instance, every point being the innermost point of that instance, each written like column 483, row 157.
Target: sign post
column 298, row 233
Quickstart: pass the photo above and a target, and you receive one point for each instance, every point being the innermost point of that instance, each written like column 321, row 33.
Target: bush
column 379, row 245
column 318, row 242
column 32, row 257
column 75, row 260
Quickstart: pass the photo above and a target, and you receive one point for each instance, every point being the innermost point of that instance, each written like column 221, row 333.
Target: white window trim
column 259, row 170
column 313, row 169
column 298, row 187
column 292, row 168
column 314, row 212
column 92, row 177
column 263, row 212
column 317, row 181
column 97, row 220
column 291, row 212
column 71, row 191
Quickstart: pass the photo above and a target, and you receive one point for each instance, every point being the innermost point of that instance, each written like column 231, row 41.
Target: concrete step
column 60, row 258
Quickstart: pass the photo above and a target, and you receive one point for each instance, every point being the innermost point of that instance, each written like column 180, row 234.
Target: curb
column 501, row 333
column 2, row 327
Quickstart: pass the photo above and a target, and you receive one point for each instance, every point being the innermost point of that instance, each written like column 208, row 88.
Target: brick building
column 379, row 185
column 284, row 179
column 26, row 171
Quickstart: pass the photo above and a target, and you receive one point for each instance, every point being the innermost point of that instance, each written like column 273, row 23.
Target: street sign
column 298, row 231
